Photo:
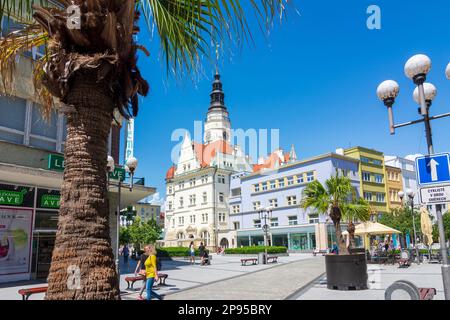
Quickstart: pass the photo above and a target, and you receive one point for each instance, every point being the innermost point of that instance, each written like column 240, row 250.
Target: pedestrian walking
column 140, row 269
column 192, row 253
column 151, row 272
column 126, row 253
column 201, row 250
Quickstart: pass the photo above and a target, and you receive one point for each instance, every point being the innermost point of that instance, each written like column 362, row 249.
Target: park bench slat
column 26, row 293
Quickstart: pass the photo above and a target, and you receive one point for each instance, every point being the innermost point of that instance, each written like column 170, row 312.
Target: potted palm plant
column 338, row 199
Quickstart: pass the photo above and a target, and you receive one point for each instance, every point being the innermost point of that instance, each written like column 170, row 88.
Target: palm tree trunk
column 351, row 235
column 335, row 215
column 340, row 239
column 83, row 262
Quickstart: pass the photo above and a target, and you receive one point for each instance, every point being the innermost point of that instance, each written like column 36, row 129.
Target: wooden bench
column 252, row 260
column 131, row 280
column 273, row 258
column 26, row 293
column 427, row 293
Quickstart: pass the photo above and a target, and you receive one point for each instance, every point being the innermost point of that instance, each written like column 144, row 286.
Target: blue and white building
column 281, row 188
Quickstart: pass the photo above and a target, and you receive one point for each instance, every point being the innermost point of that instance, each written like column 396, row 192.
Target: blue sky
column 314, row 79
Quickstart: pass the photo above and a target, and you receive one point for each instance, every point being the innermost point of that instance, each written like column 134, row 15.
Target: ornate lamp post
column 417, row 68
column 129, row 167
column 265, row 214
column 411, row 195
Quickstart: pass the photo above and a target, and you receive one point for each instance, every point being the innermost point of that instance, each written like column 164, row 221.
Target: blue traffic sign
column 433, row 169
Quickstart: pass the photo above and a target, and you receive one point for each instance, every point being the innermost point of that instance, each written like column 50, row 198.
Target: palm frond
column 315, row 197
column 356, row 210
column 22, row 10
column 16, row 43
column 187, row 28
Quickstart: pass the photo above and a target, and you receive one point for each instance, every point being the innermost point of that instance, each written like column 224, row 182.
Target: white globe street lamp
column 447, row 71
column 430, row 92
column 130, row 166
column 110, row 164
column 416, row 68
column 387, row 91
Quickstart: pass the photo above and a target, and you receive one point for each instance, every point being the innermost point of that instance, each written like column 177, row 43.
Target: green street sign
column 50, row 201
column 12, row 197
column 55, row 162
column 117, row 174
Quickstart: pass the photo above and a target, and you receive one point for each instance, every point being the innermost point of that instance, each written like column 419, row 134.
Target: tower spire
column 217, row 94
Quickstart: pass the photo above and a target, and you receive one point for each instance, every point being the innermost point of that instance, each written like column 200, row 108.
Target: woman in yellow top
column 151, row 272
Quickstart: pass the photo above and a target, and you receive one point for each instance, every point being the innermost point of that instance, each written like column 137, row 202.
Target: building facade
column 372, row 177
column 394, row 185
column 281, row 189
column 148, row 211
column 198, row 185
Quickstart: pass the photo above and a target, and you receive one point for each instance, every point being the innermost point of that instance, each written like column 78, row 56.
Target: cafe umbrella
column 427, row 228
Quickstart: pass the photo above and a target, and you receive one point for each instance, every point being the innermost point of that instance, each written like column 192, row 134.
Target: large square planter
column 346, row 272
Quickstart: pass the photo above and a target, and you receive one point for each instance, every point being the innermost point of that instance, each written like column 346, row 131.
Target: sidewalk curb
column 302, row 290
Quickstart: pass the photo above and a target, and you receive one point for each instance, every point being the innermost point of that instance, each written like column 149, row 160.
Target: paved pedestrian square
column 380, row 278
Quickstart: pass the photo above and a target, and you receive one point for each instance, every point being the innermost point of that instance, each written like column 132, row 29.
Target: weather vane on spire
column 217, row 57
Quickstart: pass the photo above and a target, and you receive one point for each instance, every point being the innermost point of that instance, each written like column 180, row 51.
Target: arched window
column 205, row 237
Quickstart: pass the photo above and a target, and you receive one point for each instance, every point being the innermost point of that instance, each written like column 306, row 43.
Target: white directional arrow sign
column 433, row 166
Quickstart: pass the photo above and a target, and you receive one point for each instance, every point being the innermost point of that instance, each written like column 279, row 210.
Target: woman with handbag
column 140, row 269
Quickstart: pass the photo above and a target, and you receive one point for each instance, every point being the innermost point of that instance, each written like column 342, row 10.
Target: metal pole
column 414, row 227
column 444, row 252
column 118, row 227
column 423, row 105
column 428, row 133
column 445, row 268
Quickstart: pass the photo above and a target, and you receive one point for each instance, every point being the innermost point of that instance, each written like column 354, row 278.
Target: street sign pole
column 433, row 177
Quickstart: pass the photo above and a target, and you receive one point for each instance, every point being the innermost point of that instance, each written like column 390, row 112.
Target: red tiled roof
column 206, row 152
column 270, row 161
column 170, row 173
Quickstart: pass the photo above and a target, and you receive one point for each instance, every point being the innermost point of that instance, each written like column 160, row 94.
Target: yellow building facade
column 372, row 178
column 393, row 186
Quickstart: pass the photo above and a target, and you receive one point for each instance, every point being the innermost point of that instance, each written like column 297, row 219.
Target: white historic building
column 198, row 185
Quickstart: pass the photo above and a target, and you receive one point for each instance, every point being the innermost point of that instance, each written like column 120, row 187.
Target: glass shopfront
column 301, row 238
column 28, row 223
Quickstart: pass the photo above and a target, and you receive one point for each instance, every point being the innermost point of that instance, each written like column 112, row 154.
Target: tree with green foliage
column 402, row 220
column 142, row 233
column 446, row 221
column 124, row 235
